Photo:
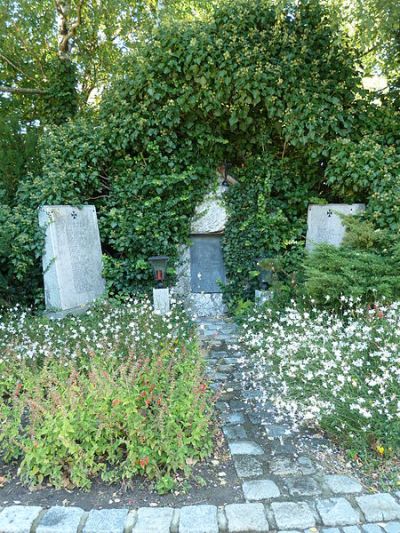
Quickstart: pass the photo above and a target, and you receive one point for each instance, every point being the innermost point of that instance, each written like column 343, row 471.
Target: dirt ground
column 213, row 480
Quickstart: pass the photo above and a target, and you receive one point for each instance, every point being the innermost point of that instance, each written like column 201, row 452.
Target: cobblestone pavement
column 284, row 489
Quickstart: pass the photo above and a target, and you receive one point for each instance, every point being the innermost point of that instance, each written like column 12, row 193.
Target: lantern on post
column 159, row 265
column 161, row 301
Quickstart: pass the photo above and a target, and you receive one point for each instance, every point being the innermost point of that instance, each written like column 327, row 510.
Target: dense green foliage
column 274, row 90
column 116, row 393
column 366, row 267
column 366, row 165
column 332, row 273
column 57, row 57
column 259, row 86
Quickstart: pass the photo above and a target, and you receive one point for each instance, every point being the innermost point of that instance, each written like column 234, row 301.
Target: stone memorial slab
column 206, row 263
column 197, row 275
column 324, row 224
column 72, row 263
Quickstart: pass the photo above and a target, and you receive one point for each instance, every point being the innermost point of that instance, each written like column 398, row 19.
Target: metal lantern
column 159, row 265
column 265, row 277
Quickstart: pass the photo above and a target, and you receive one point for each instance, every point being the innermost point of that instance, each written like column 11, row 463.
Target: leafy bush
column 253, row 84
column 365, row 267
column 116, row 393
column 366, row 165
column 336, row 372
column 334, row 272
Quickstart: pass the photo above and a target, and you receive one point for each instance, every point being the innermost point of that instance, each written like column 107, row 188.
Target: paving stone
column 392, row 527
column 246, row 517
column 60, row 520
column 342, row 484
column 351, row 529
column 275, row 430
column 18, row 518
column 247, row 466
column 287, row 466
column 153, row 520
column 284, row 449
column 106, row 521
column 237, row 405
column 250, row 394
column 337, row 512
column 379, row 507
column 219, row 376
column 260, row 489
column 303, row 486
column 373, row 528
column 198, row 519
column 306, row 465
column 330, row 530
column 233, row 418
column 245, row 447
column 230, row 360
column 222, row 406
column 293, row 515
column 234, row 432
column 225, row 368
column 233, row 385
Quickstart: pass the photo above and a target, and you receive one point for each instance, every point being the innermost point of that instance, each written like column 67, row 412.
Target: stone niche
column 324, row 224
column 201, row 266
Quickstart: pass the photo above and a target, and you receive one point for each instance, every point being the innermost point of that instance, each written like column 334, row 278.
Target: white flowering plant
column 115, row 393
column 339, row 372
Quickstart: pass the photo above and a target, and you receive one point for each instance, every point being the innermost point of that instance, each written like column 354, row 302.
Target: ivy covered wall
column 271, row 90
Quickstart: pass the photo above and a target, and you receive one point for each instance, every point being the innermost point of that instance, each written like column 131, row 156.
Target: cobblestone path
column 284, row 487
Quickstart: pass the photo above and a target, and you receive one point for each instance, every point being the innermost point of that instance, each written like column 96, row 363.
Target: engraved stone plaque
column 72, row 262
column 324, row 224
column 206, row 264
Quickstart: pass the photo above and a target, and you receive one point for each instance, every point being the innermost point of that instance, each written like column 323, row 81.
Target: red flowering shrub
column 118, row 393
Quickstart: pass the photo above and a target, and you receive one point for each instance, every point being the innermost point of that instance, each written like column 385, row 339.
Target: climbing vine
column 269, row 89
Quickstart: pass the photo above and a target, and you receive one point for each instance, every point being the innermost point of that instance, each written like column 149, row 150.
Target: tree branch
column 21, row 90
column 15, row 67
column 366, row 52
column 65, row 32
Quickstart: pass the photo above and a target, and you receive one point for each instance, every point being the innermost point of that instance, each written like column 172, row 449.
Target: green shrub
column 254, row 84
column 366, row 267
column 117, row 393
column 365, row 167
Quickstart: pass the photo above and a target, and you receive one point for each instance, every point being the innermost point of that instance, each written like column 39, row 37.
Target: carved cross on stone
column 74, row 214
column 329, row 213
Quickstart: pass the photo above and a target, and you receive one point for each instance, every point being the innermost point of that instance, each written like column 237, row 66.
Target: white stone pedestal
column 161, row 301
column 263, row 296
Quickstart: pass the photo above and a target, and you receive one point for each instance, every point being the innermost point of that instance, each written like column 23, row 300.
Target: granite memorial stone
column 324, row 224
column 72, row 263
